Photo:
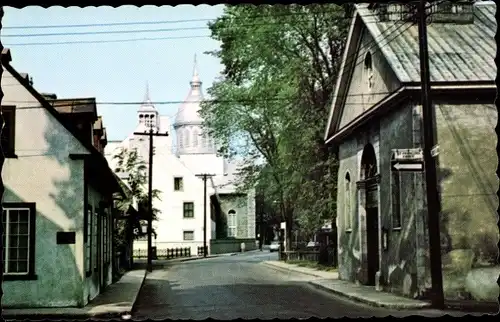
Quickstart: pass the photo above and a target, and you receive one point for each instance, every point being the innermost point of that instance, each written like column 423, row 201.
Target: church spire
column 146, row 96
column 195, row 81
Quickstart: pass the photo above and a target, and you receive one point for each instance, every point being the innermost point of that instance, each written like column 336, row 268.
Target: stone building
column 381, row 213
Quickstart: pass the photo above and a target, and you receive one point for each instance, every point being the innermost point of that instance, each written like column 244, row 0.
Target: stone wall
column 231, row 245
column 468, row 184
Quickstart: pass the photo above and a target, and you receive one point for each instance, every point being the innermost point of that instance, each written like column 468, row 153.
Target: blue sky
column 118, row 71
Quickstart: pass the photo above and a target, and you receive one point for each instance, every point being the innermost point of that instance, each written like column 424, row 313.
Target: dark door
column 372, row 233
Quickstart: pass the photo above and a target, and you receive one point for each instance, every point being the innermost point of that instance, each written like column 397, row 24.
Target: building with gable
column 381, row 211
column 58, row 198
column 175, row 169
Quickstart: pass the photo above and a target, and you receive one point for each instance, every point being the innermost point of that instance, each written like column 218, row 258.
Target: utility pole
column 433, row 208
column 204, row 176
column 150, row 134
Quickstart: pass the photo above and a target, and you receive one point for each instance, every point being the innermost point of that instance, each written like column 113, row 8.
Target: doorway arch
column 369, row 203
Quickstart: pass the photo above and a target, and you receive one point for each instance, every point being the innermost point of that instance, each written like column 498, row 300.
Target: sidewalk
column 329, row 281
column 116, row 300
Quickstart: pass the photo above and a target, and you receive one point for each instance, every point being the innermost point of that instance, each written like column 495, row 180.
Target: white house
column 57, row 202
column 176, row 172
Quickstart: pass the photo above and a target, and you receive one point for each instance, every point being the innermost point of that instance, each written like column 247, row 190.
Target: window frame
column 10, row 151
column 181, row 184
column 368, row 70
column 184, row 235
column 347, row 202
column 88, row 242
column 95, row 229
column 232, row 223
column 31, row 274
column 184, row 204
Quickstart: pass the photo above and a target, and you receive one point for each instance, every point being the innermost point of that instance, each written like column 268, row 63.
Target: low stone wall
column 224, row 246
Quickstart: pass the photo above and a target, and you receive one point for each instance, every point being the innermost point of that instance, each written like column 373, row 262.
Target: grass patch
column 311, row 264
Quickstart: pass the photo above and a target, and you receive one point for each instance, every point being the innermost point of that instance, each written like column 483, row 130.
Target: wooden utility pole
column 433, row 207
column 204, row 176
column 150, row 134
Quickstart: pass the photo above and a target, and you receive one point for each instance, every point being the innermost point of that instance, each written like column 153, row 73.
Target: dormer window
column 368, row 70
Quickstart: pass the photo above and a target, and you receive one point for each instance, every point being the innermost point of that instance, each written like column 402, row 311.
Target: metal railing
column 163, row 253
column 200, row 250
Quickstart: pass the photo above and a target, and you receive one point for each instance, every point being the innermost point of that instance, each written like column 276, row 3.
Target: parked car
column 275, row 246
column 312, row 246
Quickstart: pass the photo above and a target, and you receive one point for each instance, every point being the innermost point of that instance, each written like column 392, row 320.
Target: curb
column 132, row 308
column 77, row 315
column 371, row 302
column 288, row 270
column 197, row 258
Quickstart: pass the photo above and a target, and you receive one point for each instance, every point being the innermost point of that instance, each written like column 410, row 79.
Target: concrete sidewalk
column 329, row 281
column 116, row 300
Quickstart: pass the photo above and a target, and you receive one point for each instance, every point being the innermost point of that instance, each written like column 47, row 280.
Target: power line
column 180, row 102
column 130, row 31
column 104, row 41
column 163, row 21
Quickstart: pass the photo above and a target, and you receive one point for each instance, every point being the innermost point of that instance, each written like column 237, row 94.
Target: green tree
column 131, row 164
column 272, row 101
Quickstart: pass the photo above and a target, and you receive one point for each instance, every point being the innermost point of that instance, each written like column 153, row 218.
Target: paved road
column 239, row 287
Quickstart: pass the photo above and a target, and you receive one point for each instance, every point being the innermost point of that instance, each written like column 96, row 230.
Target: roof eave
column 69, row 127
column 340, row 86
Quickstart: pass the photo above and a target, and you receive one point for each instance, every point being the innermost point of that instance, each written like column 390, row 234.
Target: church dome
column 191, row 137
column 187, row 114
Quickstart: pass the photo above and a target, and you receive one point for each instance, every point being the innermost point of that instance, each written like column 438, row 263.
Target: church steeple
column 147, row 113
column 146, row 96
column 195, row 80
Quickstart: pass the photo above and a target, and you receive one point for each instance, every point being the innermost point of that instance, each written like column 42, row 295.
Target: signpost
column 407, row 160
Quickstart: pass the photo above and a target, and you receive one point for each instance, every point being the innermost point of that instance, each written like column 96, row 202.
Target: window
column 188, row 210
column 205, row 140
column 195, row 138
column 178, row 184
column 347, row 213
column 8, row 131
column 105, row 239
column 18, row 246
column 188, row 235
column 88, row 242
column 369, row 70
column 395, row 199
column 181, row 138
column 186, row 138
column 231, row 223
column 94, row 241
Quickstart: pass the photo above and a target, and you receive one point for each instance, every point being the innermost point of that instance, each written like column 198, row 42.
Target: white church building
column 175, row 168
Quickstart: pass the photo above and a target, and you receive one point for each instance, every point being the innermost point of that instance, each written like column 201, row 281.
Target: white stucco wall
column 166, row 166
column 43, row 173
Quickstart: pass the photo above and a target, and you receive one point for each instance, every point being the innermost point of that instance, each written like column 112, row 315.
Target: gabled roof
column 458, row 53
column 101, row 162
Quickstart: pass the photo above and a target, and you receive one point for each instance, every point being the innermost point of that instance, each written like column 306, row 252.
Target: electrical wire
column 125, row 32
column 375, row 41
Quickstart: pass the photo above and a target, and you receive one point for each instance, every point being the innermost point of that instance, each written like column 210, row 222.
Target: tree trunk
column 288, row 229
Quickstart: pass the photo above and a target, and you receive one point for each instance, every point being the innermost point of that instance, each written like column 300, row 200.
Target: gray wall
column 229, row 245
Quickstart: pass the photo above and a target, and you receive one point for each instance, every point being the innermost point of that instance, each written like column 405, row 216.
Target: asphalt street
column 231, row 287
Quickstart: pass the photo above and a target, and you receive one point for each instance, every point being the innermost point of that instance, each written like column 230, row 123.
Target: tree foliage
column 131, row 164
column 271, row 103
